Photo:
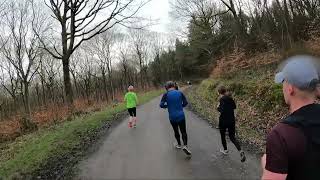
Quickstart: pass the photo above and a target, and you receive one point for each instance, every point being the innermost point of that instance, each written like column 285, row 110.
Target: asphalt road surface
column 147, row 152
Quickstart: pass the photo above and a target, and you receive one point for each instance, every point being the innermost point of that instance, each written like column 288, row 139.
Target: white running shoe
column 186, row 150
column 177, row 146
column 225, row 152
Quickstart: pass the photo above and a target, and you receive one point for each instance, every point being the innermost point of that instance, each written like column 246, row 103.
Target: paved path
column 147, row 152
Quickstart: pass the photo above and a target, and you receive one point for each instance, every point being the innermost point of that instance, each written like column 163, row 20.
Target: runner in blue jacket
column 175, row 101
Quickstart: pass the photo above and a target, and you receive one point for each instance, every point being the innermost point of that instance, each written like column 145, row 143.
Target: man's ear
column 292, row 90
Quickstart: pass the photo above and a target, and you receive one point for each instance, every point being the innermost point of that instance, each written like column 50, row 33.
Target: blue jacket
column 175, row 101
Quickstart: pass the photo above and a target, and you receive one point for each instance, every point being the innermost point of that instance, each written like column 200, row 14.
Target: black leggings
column 232, row 136
column 182, row 126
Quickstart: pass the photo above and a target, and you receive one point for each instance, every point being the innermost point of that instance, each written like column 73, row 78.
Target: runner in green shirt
column 131, row 100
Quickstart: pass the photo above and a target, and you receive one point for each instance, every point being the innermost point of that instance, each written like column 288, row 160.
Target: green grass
column 29, row 152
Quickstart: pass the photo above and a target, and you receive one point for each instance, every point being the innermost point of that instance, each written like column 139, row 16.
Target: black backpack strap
column 312, row 156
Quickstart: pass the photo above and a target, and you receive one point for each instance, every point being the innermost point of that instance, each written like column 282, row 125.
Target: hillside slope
column 251, row 80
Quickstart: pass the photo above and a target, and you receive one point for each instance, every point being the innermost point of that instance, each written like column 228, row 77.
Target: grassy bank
column 260, row 101
column 30, row 152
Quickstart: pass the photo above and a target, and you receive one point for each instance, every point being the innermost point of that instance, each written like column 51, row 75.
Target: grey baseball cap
column 300, row 71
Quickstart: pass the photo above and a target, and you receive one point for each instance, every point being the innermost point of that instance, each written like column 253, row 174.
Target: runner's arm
column 268, row 175
column 184, row 100
column 275, row 162
column 164, row 103
column 220, row 105
column 125, row 98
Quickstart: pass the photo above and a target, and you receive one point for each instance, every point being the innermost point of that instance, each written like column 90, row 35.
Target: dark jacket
column 175, row 101
column 226, row 109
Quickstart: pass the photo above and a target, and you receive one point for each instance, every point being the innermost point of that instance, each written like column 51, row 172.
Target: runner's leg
column 223, row 138
column 182, row 127
column 232, row 136
column 130, row 118
column 134, row 116
column 176, row 132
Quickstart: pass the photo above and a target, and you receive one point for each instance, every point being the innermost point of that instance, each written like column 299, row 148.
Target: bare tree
column 21, row 50
column 125, row 59
column 9, row 80
column 204, row 14
column 73, row 70
column 140, row 41
column 85, row 72
column 238, row 14
column 157, row 47
column 204, row 10
column 81, row 20
column 102, row 46
column 48, row 72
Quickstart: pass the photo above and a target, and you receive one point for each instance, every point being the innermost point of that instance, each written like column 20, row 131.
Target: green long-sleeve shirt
column 131, row 99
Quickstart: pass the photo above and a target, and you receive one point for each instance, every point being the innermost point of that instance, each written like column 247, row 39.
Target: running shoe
column 225, row 152
column 186, row 150
column 243, row 156
column 130, row 124
column 177, row 146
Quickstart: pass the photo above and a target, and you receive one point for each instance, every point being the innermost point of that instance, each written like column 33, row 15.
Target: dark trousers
column 232, row 136
column 182, row 126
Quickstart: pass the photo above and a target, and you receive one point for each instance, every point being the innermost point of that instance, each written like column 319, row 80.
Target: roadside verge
column 51, row 153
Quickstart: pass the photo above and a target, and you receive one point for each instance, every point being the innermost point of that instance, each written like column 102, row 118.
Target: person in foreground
column 227, row 121
column 318, row 93
column 293, row 146
column 175, row 101
column 131, row 100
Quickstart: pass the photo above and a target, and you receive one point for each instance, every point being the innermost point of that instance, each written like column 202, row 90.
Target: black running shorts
column 132, row 112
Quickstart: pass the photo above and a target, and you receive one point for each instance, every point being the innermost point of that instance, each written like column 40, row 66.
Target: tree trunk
column 141, row 70
column 112, row 90
column 125, row 81
column 87, row 85
column 286, row 36
column 76, row 85
column 67, row 84
column 26, row 123
column 38, row 94
column 141, row 78
column 105, row 86
column 147, row 80
column 26, row 99
column 44, row 100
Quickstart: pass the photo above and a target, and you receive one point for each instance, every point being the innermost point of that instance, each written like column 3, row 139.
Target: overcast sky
column 158, row 10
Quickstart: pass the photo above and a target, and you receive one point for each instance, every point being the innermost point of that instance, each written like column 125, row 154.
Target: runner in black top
column 226, row 108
